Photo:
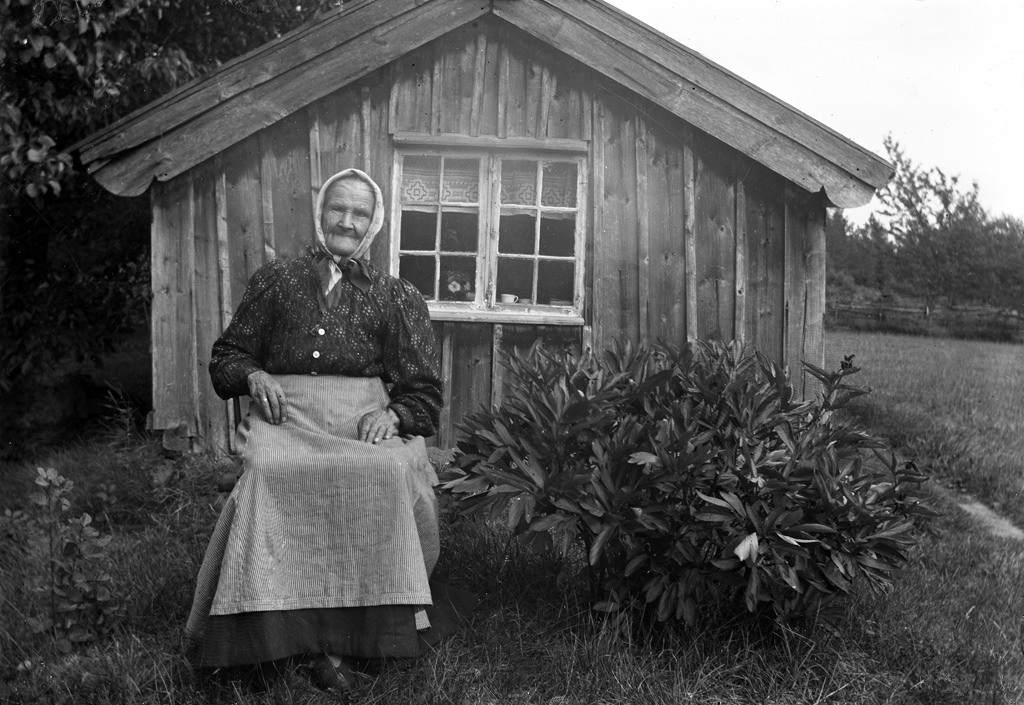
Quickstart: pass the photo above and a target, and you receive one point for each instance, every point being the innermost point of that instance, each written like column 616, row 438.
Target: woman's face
column 346, row 215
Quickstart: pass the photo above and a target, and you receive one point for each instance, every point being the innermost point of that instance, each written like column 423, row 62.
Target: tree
column 73, row 259
column 938, row 228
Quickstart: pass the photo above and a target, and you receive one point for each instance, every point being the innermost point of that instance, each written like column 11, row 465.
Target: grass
column 957, row 406
column 952, row 630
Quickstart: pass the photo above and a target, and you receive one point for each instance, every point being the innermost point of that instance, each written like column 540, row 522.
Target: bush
column 690, row 476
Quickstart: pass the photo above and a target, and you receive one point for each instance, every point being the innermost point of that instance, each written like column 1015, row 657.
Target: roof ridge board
column 171, row 153
column 92, row 147
column 623, row 21
column 701, row 108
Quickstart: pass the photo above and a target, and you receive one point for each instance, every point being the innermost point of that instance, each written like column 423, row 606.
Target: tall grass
column 950, row 632
column 955, row 405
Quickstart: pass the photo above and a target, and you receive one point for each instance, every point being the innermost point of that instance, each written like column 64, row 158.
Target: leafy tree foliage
column 932, row 241
column 73, row 259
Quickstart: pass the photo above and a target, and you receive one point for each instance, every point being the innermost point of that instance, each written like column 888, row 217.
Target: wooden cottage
column 555, row 152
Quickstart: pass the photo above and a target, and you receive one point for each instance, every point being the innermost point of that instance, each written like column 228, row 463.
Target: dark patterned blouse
column 285, row 326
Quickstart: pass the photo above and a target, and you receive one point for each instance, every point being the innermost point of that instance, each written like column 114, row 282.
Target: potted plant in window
column 458, row 286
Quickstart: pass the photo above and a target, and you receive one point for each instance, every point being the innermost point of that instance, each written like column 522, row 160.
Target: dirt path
column 996, row 524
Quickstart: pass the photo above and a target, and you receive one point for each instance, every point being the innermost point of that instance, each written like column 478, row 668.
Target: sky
column 944, row 77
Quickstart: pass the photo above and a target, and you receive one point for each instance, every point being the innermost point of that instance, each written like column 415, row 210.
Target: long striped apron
column 318, row 518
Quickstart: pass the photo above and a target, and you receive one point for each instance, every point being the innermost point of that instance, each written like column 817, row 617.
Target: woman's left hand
column 378, row 425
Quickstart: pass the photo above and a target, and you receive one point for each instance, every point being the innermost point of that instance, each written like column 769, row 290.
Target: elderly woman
column 326, row 543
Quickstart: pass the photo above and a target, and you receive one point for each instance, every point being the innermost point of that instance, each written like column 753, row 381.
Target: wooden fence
column 959, row 322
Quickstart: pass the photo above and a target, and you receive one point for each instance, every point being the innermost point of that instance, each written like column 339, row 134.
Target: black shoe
column 327, row 676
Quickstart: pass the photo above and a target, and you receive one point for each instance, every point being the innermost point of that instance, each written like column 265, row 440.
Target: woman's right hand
column 267, row 394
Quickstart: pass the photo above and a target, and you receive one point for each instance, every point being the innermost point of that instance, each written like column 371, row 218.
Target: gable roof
column 187, row 126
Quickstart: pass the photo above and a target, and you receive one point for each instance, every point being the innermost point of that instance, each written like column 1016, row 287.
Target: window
column 491, row 236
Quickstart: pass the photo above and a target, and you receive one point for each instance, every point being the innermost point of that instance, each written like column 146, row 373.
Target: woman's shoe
column 332, row 673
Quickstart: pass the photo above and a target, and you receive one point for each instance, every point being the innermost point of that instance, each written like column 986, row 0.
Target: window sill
column 524, row 314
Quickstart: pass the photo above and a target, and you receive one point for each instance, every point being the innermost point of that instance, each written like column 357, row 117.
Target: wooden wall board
column 765, row 258
column 795, row 284
column 665, row 220
column 381, row 162
column 175, row 393
column 285, row 172
column 213, row 424
column 715, row 241
column 243, row 202
column 615, row 282
column 341, row 138
column 469, row 387
column 814, row 319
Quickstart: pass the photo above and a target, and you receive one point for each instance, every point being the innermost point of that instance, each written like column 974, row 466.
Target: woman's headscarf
column 375, row 222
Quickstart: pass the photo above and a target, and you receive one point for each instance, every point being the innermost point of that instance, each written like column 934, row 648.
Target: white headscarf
column 375, row 222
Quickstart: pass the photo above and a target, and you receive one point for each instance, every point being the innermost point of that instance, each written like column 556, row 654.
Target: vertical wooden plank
column 597, row 258
column 472, row 354
column 667, row 276
column 795, row 293
column 689, row 237
column 479, row 74
column 381, row 156
column 340, row 131
column 436, row 86
column 226, row 297
column 533, row 95
column 616, row 245
column 286, row 174
column 645, row 309
column 547, row 84
column 364, row 127
column 490, row 100
column 315, row 169
column 765, row 259
column 422, row 62
column 244, row 217
column 214, row 428
column 464, row 76
column 445, row 426
column 394, row 79
column 267, row 196
column 814, row 330
column 497, row 366
column 504, row 62
column 740, row 313
column 175, row 393
column 716, row 259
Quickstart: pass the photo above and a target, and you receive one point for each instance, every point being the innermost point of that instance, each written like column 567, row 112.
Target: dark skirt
column 387, row 631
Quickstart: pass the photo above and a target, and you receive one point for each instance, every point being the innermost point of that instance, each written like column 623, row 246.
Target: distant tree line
column 931, row 243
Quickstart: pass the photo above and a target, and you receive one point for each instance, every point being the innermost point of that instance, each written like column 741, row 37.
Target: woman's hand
column 267, row 394
column 378, row 425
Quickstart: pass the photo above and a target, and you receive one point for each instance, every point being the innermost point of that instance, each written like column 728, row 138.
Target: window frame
column 485, row 307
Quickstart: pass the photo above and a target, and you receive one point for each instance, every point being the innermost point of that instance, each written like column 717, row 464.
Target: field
column 955, row 406
column 951, row 632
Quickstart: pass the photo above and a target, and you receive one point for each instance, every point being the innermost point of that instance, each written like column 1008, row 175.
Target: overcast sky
column 944, row 77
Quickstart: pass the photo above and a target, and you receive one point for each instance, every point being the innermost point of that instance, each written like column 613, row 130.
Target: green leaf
column 635, row 564
column 599, row 542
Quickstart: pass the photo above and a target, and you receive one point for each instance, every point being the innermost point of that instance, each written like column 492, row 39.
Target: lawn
column 951, row 631
column 955, row 405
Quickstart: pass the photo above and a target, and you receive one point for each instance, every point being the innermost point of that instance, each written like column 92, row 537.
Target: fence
column 967, row 322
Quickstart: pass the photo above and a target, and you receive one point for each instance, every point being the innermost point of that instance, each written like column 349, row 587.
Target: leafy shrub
column 79, row 603
column 690, row 476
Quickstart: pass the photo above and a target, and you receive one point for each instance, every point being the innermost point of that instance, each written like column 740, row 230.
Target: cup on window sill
column 509, row 298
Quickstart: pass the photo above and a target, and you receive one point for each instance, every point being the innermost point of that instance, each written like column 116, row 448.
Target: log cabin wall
column 685, row 237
